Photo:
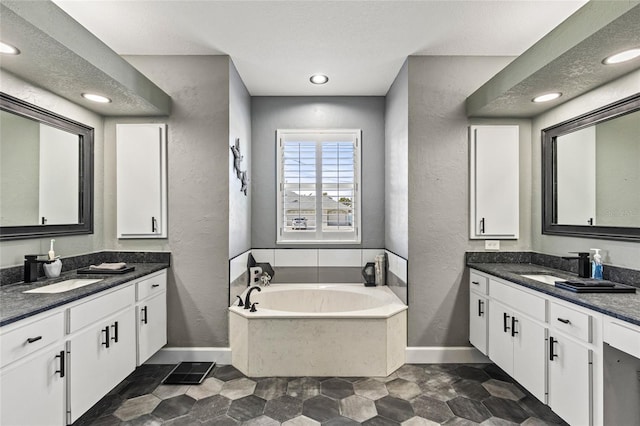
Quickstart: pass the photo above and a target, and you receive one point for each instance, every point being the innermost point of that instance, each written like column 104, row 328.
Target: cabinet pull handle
column 480, row 306
column 505, row 321
column 482, row 225
column 144, row 318
column 564, row 321
column 44, row 220
column 106, row 340
column 475, row 282
column 33, row 339
column 115, row 332
column 62, row 363
column 154, row 224
column 155, row 285
column 513, row 326
column 552, row 341
column 590, row 221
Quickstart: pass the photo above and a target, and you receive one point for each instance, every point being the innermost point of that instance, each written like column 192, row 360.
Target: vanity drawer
column 153, row 285
column 622, row 336
column 570, row 321
column 100, row 307
column 22, row 341
column 524, row 302
column 478, row 282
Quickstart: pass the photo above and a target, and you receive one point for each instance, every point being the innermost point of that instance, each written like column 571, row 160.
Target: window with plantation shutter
column 318, row 186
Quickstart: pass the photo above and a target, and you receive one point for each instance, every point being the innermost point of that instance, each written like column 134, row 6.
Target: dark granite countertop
column 624, row 306
column 16, row 305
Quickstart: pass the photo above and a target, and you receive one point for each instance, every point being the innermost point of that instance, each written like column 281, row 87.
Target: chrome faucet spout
column 247, row 300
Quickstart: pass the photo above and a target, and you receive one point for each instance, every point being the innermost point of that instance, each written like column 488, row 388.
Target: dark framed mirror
column 46, row 172
column 591, row 174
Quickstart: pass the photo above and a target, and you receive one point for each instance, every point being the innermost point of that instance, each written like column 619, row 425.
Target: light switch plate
column 492, row 245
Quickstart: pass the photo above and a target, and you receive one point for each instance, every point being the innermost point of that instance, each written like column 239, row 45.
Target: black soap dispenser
column 369, row 274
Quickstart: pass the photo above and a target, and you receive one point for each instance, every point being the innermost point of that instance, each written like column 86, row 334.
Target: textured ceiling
column 360, row 45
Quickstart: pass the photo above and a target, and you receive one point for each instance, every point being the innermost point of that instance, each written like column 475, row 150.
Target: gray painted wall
column 438, row 192
column 239, row 127
column 272, row 113
column 619, row 253
column 12, row 252
column 198, row 144
column 396, row 162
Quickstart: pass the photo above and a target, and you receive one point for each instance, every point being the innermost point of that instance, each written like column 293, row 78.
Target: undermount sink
column 63, row 286
column 543, row 278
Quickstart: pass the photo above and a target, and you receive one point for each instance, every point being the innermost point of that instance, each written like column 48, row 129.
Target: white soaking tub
column 319, row 330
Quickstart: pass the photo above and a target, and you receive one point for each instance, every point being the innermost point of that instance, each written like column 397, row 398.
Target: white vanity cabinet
column 32, row 372
column 478, row 312
column 570, row 364
column 494, row 177
column 102, row 347
column 517, row 336
column 151, row 315
column 141, row 168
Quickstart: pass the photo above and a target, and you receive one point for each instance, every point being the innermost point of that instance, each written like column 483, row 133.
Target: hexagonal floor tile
column 470, row 389
column 469, row 409
column 497, row 373
column 370, row 388
column 238, row 388
column 303, row 388
column 506, row 409
column 401, row 388
column 211, row 407
column 261, row 421
column 207, row 388
column 413, row 373
column 395, row 409
column 496, row 421
column 169, row 391
column 341, row 421
column 271, row 388
column 472, row 373
column 503, row 390
column 431, row 409
column 358, row 408
column 321, row 408
column 283, row 408
column 246, row 408
column 380, row 421
column 438, row 390
column 221, row 421
column 138, row 406
column 227, row 372
column 418, row 421
column 336, row 388
column 301, row 421
column 174, row 407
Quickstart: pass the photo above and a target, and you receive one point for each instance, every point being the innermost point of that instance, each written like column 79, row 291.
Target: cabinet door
column 529, row 350
column 152, row 326
column 478, row 319
column 570, row 380
column 494, row 182
column 500, row 340
column 141, row 181
column 95, row 368
column 32, row 391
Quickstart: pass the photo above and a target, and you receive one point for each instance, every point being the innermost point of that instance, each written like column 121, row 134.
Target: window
column 318, row 186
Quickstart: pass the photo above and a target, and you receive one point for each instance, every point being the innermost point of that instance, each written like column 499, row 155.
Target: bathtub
column 319, row 330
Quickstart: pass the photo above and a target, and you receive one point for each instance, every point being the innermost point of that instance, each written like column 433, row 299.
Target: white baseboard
column 444, row 355
column 175, row 355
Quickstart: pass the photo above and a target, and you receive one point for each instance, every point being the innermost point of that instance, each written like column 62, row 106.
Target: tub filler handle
column 240, row 304
column 253, row 307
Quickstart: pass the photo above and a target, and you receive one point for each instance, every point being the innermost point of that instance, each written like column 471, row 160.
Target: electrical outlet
column 492, row 245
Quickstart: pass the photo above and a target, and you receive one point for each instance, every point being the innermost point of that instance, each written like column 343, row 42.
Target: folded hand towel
column 109, row 266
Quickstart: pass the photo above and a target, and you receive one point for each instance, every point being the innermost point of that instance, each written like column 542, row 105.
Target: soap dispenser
column 596, row 265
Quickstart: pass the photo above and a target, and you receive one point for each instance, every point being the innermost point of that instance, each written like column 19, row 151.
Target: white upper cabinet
column 142, row 180
column 494, row 182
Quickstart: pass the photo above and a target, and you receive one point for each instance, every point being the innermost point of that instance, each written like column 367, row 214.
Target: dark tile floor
column 451, row 394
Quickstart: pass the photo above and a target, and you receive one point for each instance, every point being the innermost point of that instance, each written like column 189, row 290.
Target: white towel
column 109, row 266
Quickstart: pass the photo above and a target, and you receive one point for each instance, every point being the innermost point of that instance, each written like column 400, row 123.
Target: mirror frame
column 549, row 175
column 85, row 191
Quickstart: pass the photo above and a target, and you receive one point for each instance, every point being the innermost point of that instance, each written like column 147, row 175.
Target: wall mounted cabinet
column 494, row 182
column 141, row 180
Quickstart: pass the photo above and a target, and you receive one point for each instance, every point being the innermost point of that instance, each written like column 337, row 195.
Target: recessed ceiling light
column 8, row 49
column 319, row 79
column 96, row 98
column 546, row 97
column 623, row 56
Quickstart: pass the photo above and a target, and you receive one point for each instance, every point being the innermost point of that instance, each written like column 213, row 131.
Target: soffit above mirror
column 60, row 55
column 567, row 60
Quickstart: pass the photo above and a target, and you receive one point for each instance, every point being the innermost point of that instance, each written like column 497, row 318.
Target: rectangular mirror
column 591, row 174
column 46, row 172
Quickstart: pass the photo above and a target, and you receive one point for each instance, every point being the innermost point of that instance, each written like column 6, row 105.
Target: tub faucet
column 584, row 267
column 247, row 300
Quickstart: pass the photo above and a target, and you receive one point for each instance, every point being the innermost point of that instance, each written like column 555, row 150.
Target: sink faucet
column 31, row 262
column 247, row 300
column 584, row 267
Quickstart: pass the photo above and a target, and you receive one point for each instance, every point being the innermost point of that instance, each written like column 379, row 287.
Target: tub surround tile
column 369, row 255
column 296, row 257
column 341, row 274
column 264, row 255
column 340, row 257
column 238, row 265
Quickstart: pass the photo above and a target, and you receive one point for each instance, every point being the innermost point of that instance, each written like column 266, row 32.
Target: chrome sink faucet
column 584, row 266
column 247, row 299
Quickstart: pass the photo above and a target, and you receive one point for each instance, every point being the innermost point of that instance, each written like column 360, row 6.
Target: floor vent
column 189, row 373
